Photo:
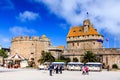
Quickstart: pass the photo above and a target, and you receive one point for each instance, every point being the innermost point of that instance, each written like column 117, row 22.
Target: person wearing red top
column 87, row 70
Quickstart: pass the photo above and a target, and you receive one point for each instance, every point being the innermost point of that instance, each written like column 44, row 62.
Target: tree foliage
column 3, row 53
column 64, row 59
column 75, row 59
column 46, row 57
column 89, row 56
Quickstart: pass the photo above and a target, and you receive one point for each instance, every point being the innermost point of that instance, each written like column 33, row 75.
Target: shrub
column 115, row 66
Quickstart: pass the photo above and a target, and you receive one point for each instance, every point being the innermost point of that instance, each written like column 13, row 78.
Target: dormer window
column 80, row 30
column 74, row 31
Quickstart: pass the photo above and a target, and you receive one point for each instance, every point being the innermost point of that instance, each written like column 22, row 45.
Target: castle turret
column 86, row 25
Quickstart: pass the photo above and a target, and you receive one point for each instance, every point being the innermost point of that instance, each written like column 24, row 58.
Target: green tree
column 3, row 53
column 89, row 56
column 75, row 59
column 64, row 59
column 46, row 57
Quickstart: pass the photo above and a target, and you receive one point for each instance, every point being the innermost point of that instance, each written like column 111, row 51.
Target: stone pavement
column 34, row 74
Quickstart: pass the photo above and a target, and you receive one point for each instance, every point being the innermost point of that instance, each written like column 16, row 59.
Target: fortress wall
column 26, row 38
column 109, row 56
column 84, row 42
column 29, row 47
column 87, row 37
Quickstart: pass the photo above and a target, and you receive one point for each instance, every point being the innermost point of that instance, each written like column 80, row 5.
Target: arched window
column 32, row 53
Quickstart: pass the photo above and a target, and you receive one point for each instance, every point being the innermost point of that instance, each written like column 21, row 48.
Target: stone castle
column 86, row 38
column 79, row 39
column 30, row 47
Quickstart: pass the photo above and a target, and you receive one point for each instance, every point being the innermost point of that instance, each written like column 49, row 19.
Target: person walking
column 108, row 68
column 87, row 70
column 83, row 70
column 50, row 70
column 60, row 69
column 56, row 69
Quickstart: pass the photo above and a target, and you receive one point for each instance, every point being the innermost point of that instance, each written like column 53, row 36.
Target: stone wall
column 30, row 47
column 108, row 56
column 84, row 42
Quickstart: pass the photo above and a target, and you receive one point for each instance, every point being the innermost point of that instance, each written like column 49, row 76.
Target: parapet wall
column 28, row 38
column 87, row 37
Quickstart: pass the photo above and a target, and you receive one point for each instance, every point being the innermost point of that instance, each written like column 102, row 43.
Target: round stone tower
column 30, row 47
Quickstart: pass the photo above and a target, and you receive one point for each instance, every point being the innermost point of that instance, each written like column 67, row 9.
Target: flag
column 87, row 13
column 100, row 40
column 107, row 39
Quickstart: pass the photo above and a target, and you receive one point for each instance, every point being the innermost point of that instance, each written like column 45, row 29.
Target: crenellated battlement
column 28, row 38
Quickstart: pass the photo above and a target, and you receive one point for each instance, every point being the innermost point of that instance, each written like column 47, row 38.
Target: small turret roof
column 43, row 36
column 60, row 47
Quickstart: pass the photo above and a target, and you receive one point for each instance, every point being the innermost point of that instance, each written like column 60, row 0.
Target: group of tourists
column 55, row 69
column 85, row 70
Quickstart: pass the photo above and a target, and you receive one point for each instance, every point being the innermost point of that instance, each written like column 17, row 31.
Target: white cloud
column 103, row 14
column 4, row 41
column 28, row 16
column 21, row 31
column 63, row 26
column 6, row 4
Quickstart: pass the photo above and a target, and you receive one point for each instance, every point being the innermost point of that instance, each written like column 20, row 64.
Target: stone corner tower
column 84, row 37
column 30, row 47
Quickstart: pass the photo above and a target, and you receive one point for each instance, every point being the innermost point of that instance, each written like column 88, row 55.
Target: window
column 77, row 44
column 80, row 30
column 32, row 53
column 32, row 59
column 74, row 31
column 73, row 44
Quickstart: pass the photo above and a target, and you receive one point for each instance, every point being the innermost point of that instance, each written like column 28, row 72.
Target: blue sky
column 55, row 17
